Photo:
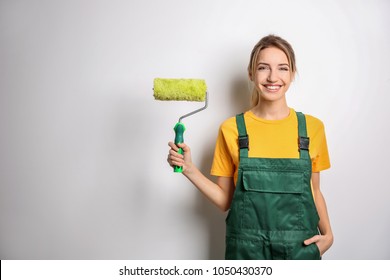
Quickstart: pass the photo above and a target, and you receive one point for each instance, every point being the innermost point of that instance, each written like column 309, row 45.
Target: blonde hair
column 267, row 42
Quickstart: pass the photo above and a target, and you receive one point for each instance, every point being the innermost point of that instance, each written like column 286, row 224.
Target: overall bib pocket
column 273, row 199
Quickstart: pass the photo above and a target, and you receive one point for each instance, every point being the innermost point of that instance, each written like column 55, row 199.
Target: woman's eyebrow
column 281, row 64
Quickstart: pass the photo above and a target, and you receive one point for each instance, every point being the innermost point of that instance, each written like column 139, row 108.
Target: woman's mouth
column 272, row 88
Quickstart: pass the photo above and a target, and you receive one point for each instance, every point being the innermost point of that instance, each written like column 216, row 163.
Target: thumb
column 311, row 240
column 184, row 147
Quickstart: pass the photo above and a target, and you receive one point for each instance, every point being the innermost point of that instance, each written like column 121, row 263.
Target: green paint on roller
column 180, row 89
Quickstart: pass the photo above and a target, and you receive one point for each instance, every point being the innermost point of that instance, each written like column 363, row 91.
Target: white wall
column 83, row 172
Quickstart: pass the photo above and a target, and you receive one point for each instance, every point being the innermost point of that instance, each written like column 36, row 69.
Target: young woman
column 268, row 162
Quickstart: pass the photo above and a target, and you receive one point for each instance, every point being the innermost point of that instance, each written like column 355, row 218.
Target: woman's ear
column 250, row 76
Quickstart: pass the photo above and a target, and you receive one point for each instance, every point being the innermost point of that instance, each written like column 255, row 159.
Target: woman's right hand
column 176, row 159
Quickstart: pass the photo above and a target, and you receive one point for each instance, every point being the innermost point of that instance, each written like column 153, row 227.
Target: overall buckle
column 243, row 142
column 304, row 143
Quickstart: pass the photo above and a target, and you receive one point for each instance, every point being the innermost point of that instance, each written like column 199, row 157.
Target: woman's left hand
column 323, row 242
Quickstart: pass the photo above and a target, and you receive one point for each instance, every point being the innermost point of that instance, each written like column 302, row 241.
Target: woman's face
column 272, row 77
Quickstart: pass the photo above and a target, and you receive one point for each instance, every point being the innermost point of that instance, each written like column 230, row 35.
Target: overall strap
column 243, row 140
column 303, row 140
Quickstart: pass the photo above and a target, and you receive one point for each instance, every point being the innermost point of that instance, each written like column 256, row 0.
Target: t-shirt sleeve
column 319, row 148
column 223, row 164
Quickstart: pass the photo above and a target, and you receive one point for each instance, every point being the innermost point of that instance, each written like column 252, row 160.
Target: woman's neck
column 269, row 110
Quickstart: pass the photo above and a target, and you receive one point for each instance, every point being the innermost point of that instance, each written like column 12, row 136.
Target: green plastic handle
column 179, row 138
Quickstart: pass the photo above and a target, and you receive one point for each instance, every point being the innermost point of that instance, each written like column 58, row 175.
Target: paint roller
column 181, row 90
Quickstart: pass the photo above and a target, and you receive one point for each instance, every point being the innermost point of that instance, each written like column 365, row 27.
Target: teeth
column 273, row 87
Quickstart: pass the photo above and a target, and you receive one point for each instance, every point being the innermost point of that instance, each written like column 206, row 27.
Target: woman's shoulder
column 313, row 121
column 314, row 125
column 229, row 124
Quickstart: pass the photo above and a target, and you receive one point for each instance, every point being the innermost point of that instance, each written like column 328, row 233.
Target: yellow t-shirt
column 268, row 139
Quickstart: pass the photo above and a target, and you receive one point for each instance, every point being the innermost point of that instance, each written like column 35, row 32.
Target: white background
column 83, row 171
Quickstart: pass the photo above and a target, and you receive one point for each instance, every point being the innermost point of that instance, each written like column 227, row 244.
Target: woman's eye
column 284, row 69
column 263, row 68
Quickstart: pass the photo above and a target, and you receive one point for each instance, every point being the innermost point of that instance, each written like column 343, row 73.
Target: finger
column 176, row 161
column 169, row 159
column 311, row 240
column 175, row 158
column 184, row 147
column 173, row 146
column 174, row 154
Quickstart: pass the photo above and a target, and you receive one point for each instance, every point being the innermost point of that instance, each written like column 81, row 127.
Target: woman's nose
column 272, row 77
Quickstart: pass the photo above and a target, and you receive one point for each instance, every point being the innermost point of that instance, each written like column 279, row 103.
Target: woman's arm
column 325, row 240
column 220, row 193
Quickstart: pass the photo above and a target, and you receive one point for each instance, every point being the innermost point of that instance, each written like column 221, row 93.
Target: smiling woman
column 271, row 57
column 267, row 163
column 272, row 76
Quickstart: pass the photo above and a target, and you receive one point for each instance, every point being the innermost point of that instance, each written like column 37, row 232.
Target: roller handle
column 179, row 138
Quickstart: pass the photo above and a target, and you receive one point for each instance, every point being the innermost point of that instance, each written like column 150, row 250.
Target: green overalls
column 273, row 210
